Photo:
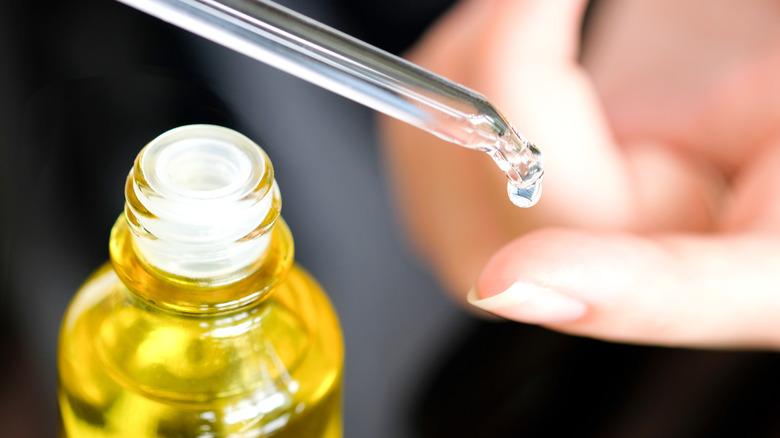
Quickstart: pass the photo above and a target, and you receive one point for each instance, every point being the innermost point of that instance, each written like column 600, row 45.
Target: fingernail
column 532, row 304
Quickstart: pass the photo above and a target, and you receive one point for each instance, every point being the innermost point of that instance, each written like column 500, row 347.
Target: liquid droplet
column 524, row 197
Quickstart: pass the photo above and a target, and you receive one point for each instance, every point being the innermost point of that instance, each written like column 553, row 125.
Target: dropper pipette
column 365, row 74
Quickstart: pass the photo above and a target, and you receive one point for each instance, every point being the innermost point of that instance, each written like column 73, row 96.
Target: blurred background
column 85, row 84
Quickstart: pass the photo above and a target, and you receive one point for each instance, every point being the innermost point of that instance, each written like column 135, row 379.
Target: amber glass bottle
column 201, row 325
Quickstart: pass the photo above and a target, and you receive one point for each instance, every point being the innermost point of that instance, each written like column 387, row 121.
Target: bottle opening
column 210, row 196
column 202, row 168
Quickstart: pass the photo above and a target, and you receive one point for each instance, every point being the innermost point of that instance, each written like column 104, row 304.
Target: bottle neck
column 199, row 296
column 200, row 222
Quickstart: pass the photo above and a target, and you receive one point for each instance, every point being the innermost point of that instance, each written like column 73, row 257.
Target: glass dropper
column 365, row 74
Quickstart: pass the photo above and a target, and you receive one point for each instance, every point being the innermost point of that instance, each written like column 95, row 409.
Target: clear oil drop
column 524, row 197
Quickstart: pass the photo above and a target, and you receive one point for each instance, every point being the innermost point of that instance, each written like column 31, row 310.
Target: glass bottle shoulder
column 198, row 357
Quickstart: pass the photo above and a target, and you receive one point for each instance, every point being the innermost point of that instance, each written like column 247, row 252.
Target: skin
column 659, row 221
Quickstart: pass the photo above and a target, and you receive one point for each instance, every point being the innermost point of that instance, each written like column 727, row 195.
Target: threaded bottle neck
column 201, row 200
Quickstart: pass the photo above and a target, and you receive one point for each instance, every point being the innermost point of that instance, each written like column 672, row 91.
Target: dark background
column 84, row 84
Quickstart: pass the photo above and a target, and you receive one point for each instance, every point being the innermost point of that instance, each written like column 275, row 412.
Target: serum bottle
column 201, row 325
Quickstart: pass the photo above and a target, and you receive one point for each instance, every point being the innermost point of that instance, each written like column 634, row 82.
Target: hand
column 659, row 220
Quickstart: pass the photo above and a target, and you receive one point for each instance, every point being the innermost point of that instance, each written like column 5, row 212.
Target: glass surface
column 333, row 60
column 252, row 350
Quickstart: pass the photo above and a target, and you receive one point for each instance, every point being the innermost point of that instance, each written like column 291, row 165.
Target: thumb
column 671, row 290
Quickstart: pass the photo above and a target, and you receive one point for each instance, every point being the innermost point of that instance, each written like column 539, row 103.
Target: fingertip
column 531, row 304
column 574, row 272
column 536, row 258
column 522, row 280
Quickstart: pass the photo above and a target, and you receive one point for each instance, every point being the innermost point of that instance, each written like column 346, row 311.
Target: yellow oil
column 143, row 354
